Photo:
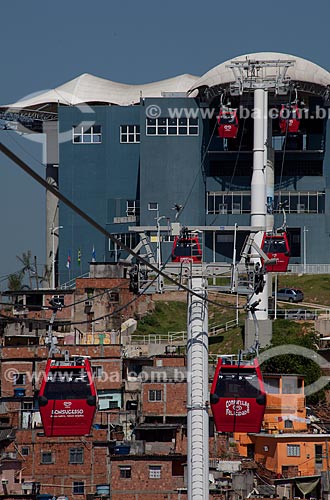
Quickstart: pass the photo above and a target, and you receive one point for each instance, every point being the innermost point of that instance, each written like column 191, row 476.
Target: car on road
column 302, row 314
column 289, row 295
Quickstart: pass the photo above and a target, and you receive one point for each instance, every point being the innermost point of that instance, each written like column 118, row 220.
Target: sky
column 45, row 44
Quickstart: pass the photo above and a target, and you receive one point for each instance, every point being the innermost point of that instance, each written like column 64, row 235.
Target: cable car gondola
column 276, row 246
column 227, row 123
column 289, row 118
column 186, row 248
column 238, row 397
column 67, row 398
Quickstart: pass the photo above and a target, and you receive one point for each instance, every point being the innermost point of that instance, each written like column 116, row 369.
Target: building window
column 58, row 299
column 97, row 371
column 76, row 456
column 129, row 239
column 19, row 378
column 132, row 207
column 155, row 471
column 155, row 395
column 288, row 424
column 25, row 451
column 113, row 296
column 87, row 135
column 129, row 134
column 47, row 457
column 293, row 450
column 125, row 471
column 172, row 126
column 78, row 487
column 239, row 202
column 153, row 205
column 318, row 454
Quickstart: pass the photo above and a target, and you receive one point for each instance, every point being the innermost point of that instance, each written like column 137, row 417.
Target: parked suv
column 289, row 295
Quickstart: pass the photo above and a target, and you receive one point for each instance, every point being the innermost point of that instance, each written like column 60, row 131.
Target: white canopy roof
column 88, row 88
column 302, row 70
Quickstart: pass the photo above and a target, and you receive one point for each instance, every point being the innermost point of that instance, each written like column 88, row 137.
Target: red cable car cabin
column 186, row 249
column 228, row 123
column 238, row 397
column 276, row 247
column 289, row 118
column 67, row 398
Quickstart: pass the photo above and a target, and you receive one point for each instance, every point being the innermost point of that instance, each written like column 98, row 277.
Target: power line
column 7, row 152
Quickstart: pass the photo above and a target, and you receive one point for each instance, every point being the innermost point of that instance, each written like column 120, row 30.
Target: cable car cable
column 284, row 152
column 12, row 156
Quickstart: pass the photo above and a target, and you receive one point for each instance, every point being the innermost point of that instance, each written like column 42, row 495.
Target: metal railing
column 224, row 327
column 159, row 338
column 177, row 337
column 72, row 283
column 309, row 268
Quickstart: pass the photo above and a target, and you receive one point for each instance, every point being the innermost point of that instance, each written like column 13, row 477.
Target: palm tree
column 28, row 267
column 15, row 281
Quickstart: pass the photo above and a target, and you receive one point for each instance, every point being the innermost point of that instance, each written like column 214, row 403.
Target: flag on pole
column 79, row 257
column 68, row 262
column 93, row 255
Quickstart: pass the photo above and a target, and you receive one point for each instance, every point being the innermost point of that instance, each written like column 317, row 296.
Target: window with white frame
column 155, row 472
column 78, row 487
column 152, row 205
column 125, row 471
column 25, row 451
column 129, row 239
column 132, row 207
column 172, row 126
column 76, row 456
column 47, row 457
column 129, row 134
column 87, row 134
column 239, row 202
column 155, row 395
column 293, row 450
column 59, row 299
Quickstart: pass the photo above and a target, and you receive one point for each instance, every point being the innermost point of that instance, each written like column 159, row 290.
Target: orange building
column 285, row 447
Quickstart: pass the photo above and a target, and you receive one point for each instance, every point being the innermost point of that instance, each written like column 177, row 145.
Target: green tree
column 15, row 281
column 285, row 333
column 28, row 266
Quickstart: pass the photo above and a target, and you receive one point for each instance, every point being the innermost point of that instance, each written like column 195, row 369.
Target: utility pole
column 160, row 280
column 305, row 250
column 197, row 388
column 54, row 253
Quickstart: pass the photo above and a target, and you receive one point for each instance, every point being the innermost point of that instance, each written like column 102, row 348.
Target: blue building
column 127, row 155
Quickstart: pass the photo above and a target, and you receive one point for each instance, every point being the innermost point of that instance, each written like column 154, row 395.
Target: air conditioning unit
column 20, row 311
column 300, row 208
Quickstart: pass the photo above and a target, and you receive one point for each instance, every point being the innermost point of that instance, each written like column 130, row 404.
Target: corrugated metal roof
column 7, row 434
